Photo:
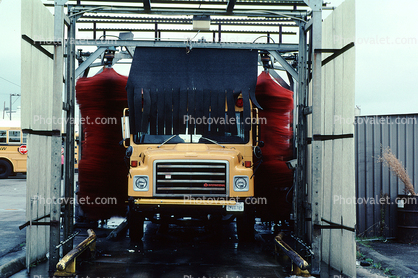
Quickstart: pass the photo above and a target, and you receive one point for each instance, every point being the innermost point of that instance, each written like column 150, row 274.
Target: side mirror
column 261, row 144
column 127, row 142
column 257, row 152
column 129, row 151
column 126, row 134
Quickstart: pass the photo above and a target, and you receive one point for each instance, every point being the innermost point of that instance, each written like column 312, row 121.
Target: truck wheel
column 245, row 225
column 5, row 169
column 135, row 224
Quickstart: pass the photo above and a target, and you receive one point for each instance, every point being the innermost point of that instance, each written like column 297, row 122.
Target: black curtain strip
column 176, row 111
column 182, row 111
column 153, row 112
column 146, row 110
column 247, row 111
column 138, row 109
column 231, row 127
column 199, row 101
column 168, row 111
column 160, row 112
column 131, row 103
column 221, row 113
column 206, row 110
column 191, row 109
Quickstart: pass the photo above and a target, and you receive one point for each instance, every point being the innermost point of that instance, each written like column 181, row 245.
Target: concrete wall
column 338, row 245
column 373, row 179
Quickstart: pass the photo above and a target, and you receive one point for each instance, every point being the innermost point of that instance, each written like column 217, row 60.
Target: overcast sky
column 386, row 55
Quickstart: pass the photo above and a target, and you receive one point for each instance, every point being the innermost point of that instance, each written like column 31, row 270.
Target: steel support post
column 68, row 220
column 55, row 190
column 317, row 128
column 301, row 137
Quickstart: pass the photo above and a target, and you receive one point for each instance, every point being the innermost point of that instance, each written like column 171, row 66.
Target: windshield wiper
column 212, row 141
column 167, row 140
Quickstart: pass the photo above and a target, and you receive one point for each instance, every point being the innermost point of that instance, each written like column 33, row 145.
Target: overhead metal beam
column 204, row 2
column 184, row 20
column 184, row 31
column 99, row 51
column 285, row 64
column 296, row 14
column 129, row 43
column 187, row 22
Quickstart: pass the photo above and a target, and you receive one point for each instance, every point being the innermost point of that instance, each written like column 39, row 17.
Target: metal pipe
column 118, row 229
column 295, row 257
column 74, row 253
column 67, row 240
column 37, row 219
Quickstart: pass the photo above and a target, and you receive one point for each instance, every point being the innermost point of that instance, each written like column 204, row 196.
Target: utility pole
column 4, row 109
column 10, row 108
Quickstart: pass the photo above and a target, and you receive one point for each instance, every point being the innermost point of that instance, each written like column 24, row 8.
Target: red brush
column 102, row 172
column 273, row 179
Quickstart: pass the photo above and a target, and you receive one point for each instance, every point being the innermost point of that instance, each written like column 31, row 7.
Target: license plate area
column 239, row 206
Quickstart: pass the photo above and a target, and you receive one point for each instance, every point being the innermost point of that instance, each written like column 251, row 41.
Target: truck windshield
column 218, row 131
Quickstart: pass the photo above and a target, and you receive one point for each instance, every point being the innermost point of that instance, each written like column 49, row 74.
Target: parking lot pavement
column 12, row 215
column 394, row 258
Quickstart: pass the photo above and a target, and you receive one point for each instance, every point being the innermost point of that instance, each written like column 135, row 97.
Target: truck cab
column 190, row 150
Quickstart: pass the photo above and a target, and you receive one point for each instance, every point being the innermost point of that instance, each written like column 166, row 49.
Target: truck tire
column 245, row 225
column 136, row 225
column 5, row 169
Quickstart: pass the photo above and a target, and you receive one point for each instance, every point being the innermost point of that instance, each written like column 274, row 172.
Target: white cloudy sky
column 386, row 55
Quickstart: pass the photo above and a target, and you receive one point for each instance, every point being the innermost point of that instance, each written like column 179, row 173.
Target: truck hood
column 192, row 151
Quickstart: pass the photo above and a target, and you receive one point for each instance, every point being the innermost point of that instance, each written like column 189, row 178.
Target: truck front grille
column 197, row 178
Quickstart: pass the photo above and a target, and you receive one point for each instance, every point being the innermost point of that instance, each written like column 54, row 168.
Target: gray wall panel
column 37, row 70
column 338, row 184
column 373, row 179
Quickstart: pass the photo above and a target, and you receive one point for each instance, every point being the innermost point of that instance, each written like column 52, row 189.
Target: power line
column 9, row 81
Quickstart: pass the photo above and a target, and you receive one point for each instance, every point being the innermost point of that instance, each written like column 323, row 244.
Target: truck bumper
column 192, row 202
column 182, row 207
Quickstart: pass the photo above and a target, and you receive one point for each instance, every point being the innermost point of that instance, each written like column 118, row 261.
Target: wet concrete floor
column 182, row 251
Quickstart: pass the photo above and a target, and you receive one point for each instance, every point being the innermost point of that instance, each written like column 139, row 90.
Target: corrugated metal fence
column 376, row 187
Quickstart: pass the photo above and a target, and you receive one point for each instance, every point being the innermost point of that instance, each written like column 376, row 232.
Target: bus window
column 25, row 138
column 2, row 136
column 14, row 136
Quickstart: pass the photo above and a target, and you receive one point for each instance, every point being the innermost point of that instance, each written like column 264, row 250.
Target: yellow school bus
column 13, row 151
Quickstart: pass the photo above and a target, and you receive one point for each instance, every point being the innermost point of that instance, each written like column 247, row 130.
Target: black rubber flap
column 173, row 69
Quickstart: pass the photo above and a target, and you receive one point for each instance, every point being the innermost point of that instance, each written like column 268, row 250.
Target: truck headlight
column 141, row 183
column 241, row 183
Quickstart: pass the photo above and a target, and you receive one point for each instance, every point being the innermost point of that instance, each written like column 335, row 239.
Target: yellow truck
column 190, row 149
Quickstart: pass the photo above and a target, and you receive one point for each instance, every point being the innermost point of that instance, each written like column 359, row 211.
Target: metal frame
column 306, row 15
column 57, row 89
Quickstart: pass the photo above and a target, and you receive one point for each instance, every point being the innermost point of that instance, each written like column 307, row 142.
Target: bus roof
column 6, row 123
